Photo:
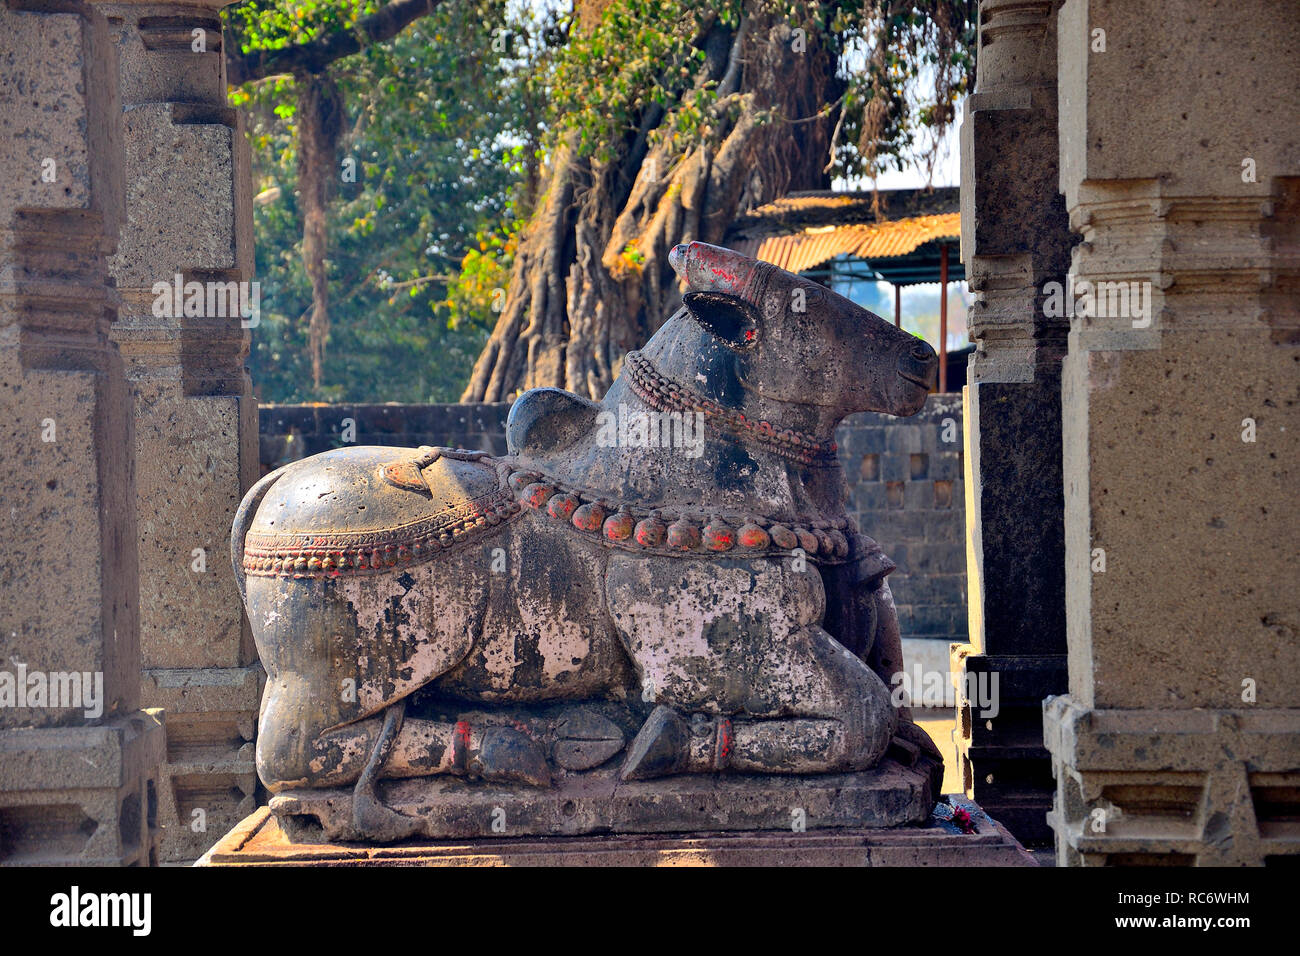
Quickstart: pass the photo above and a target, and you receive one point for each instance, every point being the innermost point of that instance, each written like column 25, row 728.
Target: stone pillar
column 79, row 759
column 1179, row 739
column 1015, row 242
column 188, row 214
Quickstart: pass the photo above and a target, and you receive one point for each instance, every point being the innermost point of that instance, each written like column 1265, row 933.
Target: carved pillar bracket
column 1015, row 234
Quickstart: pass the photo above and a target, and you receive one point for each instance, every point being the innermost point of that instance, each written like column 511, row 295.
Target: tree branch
column 314, row 56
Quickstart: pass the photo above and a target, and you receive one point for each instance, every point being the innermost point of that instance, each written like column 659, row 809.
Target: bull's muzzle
column 920, row 365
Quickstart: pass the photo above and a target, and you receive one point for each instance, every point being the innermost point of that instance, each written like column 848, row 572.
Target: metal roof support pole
column 898, row 305
column 943, row 317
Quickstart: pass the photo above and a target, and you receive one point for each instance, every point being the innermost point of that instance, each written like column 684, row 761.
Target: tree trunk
column 591, row 278
column 320, row 122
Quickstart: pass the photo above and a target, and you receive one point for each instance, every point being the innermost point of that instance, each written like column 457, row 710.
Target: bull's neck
column 718, row 468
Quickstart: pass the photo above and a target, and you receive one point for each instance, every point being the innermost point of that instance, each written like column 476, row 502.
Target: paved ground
column 940, row 726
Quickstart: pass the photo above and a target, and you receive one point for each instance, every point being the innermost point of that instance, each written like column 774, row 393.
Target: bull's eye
column 730, row 318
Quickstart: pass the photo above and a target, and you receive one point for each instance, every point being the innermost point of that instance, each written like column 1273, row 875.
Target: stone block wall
column 290, row 432
column 906, row 491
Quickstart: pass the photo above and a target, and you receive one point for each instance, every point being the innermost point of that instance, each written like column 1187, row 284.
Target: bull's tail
column 243, row 518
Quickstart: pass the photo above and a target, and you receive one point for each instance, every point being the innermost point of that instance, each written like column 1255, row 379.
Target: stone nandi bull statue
column 619, row 552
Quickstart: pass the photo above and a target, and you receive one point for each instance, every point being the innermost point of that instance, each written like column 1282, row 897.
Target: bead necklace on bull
column 654, row 531
column 674, row 532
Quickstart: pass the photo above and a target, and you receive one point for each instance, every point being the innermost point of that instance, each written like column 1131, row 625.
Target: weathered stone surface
column 1221, row 557
column 1201, row 139
column 209, row 781
column 69, row 561
column 155, row 45
column 259, row 841
column 928, row 512
column 889, row 795
column 188, row 213
column 1015, row 234
column 78, row 777
column 188, row 493
column 85, row 796
column 585, row 740
column 1181, row 429
column 1015, row 241
column 1201, row 787
column 57, row 65
column 671, row 575
column 180, row 195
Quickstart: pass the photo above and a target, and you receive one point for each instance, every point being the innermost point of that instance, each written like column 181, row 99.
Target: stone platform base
column 888, row 795
column 210, row 763
column 82, row 796
column 1189, row 787
column 259, row 841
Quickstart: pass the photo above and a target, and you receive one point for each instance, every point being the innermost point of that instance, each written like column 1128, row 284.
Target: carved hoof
column 662, row 747
column 585, row 739
column 509, row 756
column 375, row 822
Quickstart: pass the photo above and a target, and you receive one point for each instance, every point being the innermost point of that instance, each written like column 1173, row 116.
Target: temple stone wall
column 188, row 214
column 79, row 758
column 1015, row 241
column 1179, row 739
column 905, row 483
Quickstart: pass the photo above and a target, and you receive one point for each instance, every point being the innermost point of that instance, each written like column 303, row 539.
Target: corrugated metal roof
column 802, row 210
column 809, row 248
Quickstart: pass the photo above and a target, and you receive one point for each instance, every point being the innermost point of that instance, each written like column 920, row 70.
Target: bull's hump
column 345, row 491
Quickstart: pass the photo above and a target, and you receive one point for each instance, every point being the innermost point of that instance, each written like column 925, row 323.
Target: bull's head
column 798, row 342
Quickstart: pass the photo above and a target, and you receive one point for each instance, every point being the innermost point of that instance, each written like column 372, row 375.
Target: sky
column 947, row 168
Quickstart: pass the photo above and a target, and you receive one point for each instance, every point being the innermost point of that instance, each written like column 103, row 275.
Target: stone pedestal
column 259, row 841
column 1015, row 241
column 188, row 214
column 1177, row 740
column 889, row 795
column 78, row 758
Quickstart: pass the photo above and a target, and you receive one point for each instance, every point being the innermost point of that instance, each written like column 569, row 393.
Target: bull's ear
column 729, row 317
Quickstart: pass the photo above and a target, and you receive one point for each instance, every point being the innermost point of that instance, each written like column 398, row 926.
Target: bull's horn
column 707, row 268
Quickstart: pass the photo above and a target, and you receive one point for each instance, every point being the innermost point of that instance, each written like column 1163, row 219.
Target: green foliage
column 906, row 71
column 431, row 135
column 478, row 292
column 640, row 53
column 276, row 25
column 908, row 67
